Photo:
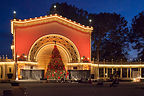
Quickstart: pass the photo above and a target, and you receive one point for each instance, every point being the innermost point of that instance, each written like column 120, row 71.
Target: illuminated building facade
column 34, row 40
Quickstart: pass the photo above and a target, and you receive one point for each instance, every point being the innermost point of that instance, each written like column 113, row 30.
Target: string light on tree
column 56, row 69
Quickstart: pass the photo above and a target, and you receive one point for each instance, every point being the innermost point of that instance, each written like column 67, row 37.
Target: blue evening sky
column 32, row 8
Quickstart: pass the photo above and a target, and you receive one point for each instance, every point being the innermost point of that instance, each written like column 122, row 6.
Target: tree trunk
column 98, row 51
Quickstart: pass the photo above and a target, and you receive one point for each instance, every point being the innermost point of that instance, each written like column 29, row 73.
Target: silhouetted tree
column 109, row 37
column 70, row 12
column 137, row 34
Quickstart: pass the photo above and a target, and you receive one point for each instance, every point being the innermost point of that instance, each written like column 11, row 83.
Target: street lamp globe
column 90, row 20
column 14, row 12
column 54, row 6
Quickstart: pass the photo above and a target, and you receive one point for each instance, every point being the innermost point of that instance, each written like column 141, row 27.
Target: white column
column 112, row 70
column 4, row 72
column 130, row 73
column 127, row 72
column 140, row 72
column 107, row 72
column 104, row 72
column 98, row 73
column 0, row 72
column 121, row 73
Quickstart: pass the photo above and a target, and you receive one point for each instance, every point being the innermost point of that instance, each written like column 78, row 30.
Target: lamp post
column 90, row 21
column 14, row 14
column 98, row 68
column 54, row 6
column 54, row 9
column 140, row 69
column 104, row 69
column 113, row 71
column 16, row 66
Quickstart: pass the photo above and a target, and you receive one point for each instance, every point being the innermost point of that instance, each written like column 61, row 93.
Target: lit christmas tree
column 56, row 69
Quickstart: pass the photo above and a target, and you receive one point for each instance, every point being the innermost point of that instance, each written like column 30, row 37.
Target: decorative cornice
column 49, row 18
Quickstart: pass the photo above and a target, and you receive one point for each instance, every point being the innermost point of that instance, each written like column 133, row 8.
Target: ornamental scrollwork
column 50, row 40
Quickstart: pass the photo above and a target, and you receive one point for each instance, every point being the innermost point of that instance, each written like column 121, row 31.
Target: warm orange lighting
column 25, row 56
column 18, row 56
column 136, row 79
column 63, row 48
column 27, row 62
column 118, row 65
column 51, row 18
column 108, row 65
column 12, row 47
column 75, row 64
column 65, row 27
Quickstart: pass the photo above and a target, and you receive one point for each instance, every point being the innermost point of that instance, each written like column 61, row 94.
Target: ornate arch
column 62, row 41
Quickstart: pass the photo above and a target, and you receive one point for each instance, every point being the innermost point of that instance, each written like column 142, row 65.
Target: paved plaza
column 76, row 89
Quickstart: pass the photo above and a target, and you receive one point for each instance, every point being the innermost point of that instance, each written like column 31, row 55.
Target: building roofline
column 50, row 18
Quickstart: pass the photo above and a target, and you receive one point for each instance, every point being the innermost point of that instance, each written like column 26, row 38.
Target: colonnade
column 122, row 73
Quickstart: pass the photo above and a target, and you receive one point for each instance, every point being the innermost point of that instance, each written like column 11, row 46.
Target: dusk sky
column 35, row 8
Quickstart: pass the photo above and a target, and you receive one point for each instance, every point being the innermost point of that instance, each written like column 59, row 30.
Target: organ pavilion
column 52, row 47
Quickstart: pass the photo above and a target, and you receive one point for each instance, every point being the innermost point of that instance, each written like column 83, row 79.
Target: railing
column 118, row 63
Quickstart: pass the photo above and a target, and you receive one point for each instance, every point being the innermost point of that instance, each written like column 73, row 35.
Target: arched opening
column 41, row 51
column 44, row 55
column 64, row 42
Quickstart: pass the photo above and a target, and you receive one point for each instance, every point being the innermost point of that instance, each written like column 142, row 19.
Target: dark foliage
column 137, row 34
column 109, row 37
column 70, row 12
